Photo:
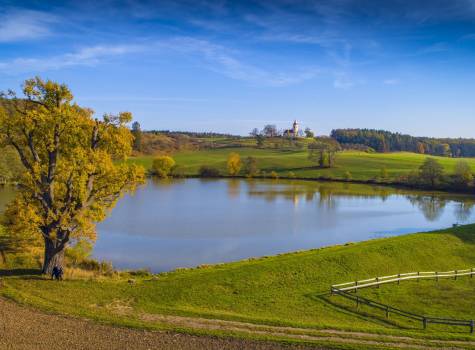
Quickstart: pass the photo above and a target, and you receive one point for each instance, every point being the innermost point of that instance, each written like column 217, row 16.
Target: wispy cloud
column 224, row 61
column 434, row 48
column 392, row 81
column 88, row 56
column 140, row 99
column 19, row 24
column 345, row 80
column 470, row 36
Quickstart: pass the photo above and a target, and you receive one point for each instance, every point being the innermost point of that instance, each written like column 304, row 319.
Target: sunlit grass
column 290, row 289
column 362, row 166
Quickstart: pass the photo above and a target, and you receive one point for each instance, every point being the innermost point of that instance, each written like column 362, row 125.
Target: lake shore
column 288, row 290
column 364, row 168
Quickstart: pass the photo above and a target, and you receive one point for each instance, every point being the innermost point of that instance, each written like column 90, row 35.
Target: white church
column 294, row 132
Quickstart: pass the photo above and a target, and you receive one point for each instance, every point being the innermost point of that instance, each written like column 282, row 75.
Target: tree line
column 386, row 141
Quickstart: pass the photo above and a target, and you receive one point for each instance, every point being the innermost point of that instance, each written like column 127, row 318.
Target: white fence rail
column 345, row 289
column 371, row 282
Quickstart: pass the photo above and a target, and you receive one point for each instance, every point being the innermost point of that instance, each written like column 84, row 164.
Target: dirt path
column 24, row 328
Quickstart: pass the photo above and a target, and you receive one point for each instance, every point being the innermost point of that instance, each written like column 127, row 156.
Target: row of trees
column 270, row 130
column 431, row 174
column 385, row 141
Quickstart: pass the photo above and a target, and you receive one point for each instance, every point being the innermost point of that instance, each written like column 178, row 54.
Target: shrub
column 141, row 273
column 234, row 164
column 162, row 166
column 291, row 175
column 274, row 175
column 347, row 176
column 250, row 167
column 79, row 251
column 178, row 171
column 384, row 173
column 207, row 171
column 463, row 176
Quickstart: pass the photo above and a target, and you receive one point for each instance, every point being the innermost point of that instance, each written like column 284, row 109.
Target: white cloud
column 393, row 81
column 88, row 56
column 224, row 61
column 16, row 24
column 343, row 81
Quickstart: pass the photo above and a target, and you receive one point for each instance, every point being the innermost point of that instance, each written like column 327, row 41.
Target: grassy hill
column 288, row 290
column 362, row 166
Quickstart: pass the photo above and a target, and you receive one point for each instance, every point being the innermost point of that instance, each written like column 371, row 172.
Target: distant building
column 294, row 132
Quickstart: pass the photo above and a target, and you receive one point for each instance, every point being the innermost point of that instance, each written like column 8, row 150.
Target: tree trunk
column 54, row 256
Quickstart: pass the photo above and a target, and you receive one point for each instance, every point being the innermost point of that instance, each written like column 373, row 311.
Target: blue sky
column 230, row 66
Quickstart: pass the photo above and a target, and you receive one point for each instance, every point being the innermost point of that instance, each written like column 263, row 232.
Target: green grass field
column 362, row 166
column 290, row 289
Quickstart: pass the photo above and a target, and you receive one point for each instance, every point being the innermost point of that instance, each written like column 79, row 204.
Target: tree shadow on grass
column 465, row 233
column 32, row 273
column 282, row 169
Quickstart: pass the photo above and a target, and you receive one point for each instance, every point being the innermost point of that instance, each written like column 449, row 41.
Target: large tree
column 73, row 173
column 323, row 152
column 431, row 172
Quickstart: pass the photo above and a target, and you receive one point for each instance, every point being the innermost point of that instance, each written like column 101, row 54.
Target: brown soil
column 25, row 328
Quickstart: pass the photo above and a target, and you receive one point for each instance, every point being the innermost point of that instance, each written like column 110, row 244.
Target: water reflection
column 430, row 205
column 187, row 222
column 463, row 211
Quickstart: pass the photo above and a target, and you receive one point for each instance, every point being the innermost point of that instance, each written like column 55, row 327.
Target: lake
column 183, row 223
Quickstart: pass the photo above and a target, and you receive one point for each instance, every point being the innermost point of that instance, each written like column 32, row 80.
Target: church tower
column 295, row 128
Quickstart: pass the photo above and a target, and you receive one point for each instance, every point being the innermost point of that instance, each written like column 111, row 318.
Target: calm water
column 184, row 223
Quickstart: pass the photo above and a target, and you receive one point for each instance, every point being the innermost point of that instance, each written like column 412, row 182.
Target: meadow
column 362, row 166
column 289, row 290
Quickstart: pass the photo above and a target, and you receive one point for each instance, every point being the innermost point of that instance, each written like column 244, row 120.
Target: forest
column 386, row 141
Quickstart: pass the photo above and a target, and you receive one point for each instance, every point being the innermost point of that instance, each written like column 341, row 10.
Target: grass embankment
column 290, row 289
column 362, row 166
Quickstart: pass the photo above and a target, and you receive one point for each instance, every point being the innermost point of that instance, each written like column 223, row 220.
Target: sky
column 230, row 66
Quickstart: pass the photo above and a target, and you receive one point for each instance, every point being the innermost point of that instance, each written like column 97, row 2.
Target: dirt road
column 25, row 328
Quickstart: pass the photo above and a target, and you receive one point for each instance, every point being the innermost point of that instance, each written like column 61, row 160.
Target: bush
column 250, row 167
column 348, row 176
column 274, row 175
column 207, row 171
column 383, row 174
column 291, row 175
column 463, row 176
column 162, row 166
column 79, row 251
column 234, row 164
column 178, row 171
column 141, row 273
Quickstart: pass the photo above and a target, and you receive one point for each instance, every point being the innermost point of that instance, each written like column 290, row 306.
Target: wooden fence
column 345, row 289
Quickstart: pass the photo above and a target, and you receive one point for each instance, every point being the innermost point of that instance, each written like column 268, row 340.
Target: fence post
column 399, row 279
column 418, row 274
column 471, row 326
column 424, row 322
column 356, row 285
column 377, row 281
column 357, row 303
column 436, row 276
column 387, row 311
column 455, row 277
